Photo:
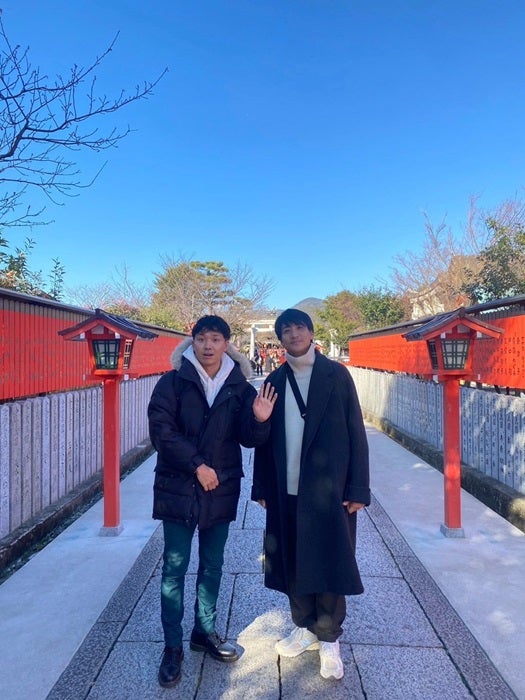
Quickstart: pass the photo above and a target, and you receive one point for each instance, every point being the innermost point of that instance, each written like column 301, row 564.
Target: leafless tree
column 432, row 278
column 44, row 121
column 119, row 295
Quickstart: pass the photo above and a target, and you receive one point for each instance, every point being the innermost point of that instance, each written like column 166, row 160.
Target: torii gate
column 264, row 325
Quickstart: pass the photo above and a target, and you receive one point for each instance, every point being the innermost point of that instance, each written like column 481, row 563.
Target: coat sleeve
column 357, row 488
column 261, row 462
column 175, row 451
column 263, row 455
column 252, row 433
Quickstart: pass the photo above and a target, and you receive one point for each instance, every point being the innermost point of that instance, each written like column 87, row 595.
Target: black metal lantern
column 448, row 353
column 449, row 338
column 455, row 352
column 106, row 353
column 110, row 341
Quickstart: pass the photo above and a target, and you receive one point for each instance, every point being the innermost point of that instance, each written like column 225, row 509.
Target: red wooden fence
column 35, row 360
column 499, row 362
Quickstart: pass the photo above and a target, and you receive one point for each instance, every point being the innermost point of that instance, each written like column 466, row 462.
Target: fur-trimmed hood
column 239, row 358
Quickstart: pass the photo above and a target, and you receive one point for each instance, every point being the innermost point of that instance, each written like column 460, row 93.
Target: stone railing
column 51, row 445
column 492, row 425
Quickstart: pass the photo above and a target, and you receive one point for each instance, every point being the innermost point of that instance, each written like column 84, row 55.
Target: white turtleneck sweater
column 293, row 423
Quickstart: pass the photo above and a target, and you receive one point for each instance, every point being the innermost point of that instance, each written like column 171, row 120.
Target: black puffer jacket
column 186, row 432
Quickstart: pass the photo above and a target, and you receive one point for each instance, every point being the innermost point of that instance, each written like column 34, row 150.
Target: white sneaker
column 331, row 664
column 298, row 641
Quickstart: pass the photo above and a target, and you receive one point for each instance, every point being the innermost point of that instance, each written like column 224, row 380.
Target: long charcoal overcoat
column 334, row 468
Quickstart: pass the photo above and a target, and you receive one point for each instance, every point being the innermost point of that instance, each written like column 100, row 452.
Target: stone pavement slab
column 402, row 639
column 84, row 615
column 49, row 605
column 480, row 576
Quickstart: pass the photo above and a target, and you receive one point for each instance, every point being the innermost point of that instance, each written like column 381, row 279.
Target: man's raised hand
column 264, row 402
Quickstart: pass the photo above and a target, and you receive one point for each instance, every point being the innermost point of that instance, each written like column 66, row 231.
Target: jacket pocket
column 173, row 498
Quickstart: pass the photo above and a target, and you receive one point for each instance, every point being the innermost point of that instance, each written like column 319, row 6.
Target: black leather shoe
column 214, row 645
column 169, row 670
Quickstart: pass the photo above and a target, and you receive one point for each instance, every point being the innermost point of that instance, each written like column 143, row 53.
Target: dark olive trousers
column 322, row 613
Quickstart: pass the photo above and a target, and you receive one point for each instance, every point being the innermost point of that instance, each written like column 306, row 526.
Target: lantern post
column 450, row 338
column 110, row 343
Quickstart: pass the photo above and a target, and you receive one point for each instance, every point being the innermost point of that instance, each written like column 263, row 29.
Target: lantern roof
column 458, row 319
column 117, row 324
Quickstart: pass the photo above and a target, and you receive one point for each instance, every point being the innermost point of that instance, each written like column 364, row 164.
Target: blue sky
column 304, row 138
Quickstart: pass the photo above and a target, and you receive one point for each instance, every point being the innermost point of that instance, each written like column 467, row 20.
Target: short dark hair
column 211, row 323
column 295, row 316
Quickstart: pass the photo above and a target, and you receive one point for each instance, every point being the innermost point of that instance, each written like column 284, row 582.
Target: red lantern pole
column 452, row 458
column 111, row 450
column 110, row 340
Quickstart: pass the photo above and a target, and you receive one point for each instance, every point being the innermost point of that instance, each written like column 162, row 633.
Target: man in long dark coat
column 312, row 477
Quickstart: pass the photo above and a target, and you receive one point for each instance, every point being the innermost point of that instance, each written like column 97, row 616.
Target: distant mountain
column 311, row 306
column 310, row 303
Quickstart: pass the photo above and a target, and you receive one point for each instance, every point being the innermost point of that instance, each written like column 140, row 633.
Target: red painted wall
column 34, row 359
column 499, row 362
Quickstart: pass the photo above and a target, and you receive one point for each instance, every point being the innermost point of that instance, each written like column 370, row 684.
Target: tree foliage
column 502, row 264
column 339, row 318
column 188, row 289
column 348, row 312
column 16, row 274
column 379, row 308
column 483, row 261
column 432, row 278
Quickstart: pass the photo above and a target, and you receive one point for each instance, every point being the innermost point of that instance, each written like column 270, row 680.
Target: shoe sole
column 171, row 684
column 312, row 647
column 217, row 657
column 332, row 675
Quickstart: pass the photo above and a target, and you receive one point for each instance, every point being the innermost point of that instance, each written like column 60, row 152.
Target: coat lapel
column 321, row 386
column 279, row 441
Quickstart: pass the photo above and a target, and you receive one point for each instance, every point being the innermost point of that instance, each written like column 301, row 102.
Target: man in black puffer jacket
column 199, row 414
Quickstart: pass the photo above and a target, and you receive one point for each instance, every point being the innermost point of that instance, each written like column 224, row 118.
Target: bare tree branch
column 188, row 289
column 44, row 120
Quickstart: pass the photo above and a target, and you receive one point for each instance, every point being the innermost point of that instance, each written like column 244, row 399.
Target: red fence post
column 451, row 459
column 111, row 466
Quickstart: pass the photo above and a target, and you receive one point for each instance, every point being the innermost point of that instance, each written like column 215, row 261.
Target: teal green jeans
column 177, row 550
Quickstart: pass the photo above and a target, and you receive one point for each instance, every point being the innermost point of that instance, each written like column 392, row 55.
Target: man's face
column 296, row 339
column 209, row 347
